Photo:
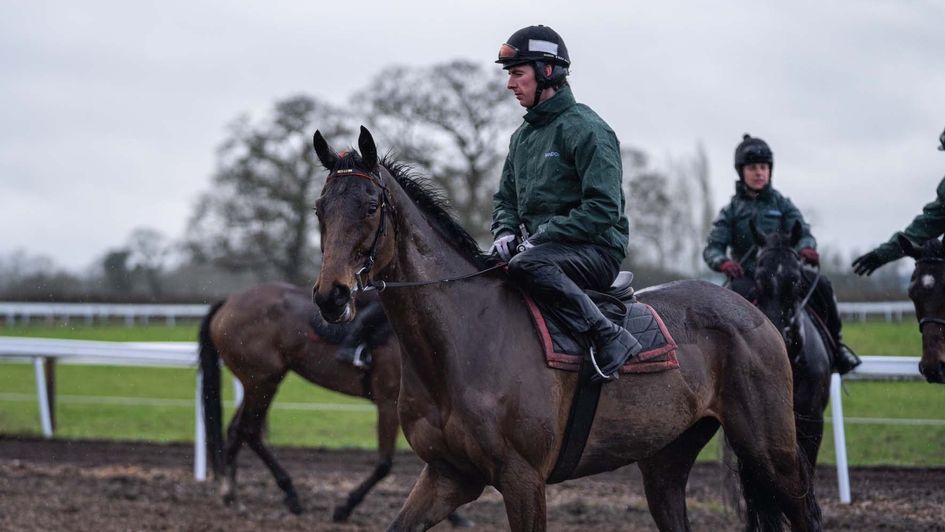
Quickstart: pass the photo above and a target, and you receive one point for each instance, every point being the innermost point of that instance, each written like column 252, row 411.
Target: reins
column 368, row 265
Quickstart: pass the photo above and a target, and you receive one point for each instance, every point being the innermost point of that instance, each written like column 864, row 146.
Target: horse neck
column 421, row 316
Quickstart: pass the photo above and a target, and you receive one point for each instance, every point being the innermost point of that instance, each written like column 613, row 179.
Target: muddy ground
column 65, row 485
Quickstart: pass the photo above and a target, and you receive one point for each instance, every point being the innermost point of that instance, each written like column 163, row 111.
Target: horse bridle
column 795, row 318
column 381, row 227
column 365, row 269
column 924, row 321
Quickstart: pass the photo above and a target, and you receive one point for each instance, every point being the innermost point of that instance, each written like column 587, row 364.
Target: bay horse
column 478, row 403
column 782, row 292
column 927, row 292
column 261, row 334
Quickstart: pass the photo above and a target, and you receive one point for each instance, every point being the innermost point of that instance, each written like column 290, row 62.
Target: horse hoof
column 229, row 499
column 341, row 514
column 459, row 521
column 293, row 504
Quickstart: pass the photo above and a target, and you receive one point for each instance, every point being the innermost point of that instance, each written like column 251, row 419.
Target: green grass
column 882, row 338
column 291, row 424
column 113, row 332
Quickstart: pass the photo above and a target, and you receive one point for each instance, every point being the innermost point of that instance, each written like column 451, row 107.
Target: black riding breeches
column 370, row 326
column 555, row 275
column 823, row 303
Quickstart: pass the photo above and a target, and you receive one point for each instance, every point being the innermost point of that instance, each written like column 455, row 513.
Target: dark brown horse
column 263, row 333
column 927, row 291
column 478, row 403
column 781, row 292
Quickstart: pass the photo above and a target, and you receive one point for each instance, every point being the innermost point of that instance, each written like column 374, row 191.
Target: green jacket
column 930, row 224
column 562, row 178
column 771, row 212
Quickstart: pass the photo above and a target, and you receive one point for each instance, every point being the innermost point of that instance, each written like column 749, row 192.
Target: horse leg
column 234, row 442
column 257, row 402
column 436, row 493
column 523, row 490
column 387, row 425
column 665, row 475
column 776, row 477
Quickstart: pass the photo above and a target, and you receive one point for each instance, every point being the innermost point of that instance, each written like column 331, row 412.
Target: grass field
column 157, row 403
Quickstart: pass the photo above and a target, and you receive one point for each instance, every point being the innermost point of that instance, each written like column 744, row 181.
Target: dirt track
column 61, row 485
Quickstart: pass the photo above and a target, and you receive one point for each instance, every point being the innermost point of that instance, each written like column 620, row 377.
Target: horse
column 927, row 292
column 781, row 292
column 478, row 403
column 261, row 334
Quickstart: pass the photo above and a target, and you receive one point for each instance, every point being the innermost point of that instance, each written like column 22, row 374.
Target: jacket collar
column 547, row 110
column 741, row 190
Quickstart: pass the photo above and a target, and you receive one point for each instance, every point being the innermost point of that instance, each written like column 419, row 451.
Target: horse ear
column 756, row 234
column 368, row 148
column 908, row 247
column 797, row 231
column 326, row 155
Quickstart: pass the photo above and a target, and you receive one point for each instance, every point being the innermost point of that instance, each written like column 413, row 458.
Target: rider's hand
column 503, row 246
column 732, row 269
column 868, row 263
column 810, row 256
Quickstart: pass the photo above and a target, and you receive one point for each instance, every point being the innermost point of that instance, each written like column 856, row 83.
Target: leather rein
column 368, row 265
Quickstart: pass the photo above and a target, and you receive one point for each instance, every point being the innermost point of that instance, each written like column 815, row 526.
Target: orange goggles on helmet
column 507, row 52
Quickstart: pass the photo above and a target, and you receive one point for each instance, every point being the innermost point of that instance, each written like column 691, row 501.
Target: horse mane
column 429, row 199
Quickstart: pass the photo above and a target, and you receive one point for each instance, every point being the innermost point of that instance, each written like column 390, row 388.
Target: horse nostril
column 340, row 294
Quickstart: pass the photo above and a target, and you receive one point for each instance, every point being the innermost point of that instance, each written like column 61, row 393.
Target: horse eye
column 372, row 208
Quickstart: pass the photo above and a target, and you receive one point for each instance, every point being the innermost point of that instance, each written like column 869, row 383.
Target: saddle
column 565, row 352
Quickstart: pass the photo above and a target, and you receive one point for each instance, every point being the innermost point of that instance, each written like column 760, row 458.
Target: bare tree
column 453, row 120
column 258, row 214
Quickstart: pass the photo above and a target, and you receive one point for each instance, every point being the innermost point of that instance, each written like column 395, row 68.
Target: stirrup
column 613, row 377
column 358, row 360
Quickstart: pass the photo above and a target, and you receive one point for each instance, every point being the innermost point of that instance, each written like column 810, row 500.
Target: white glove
column 503, row 246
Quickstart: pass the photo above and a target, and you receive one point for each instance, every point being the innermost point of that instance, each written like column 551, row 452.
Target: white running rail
column 184, row 354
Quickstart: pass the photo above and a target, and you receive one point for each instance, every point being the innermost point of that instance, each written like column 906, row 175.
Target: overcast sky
column 111, row 111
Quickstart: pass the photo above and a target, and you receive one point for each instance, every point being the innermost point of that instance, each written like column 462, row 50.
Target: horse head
column 779, row 281
column 354, row 224
column 927, row 291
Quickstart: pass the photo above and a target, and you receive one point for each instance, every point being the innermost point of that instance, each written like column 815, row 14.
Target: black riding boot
column 613, row 346
column 845, row 360
column 368, row 329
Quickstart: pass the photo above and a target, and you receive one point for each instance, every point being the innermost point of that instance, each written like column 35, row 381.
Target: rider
column 930, row 224
column 561, row 186
column 755, row 199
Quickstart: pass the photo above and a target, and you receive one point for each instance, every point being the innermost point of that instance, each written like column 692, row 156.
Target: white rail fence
column 184, row 354
column 135, row 313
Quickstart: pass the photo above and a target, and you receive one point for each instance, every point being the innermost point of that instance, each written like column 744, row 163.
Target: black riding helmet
column 539, row 46
column 752, row 150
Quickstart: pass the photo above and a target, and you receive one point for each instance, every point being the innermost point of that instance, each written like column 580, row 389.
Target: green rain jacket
column 562, row 178
column 771, row 212
column 930, row 224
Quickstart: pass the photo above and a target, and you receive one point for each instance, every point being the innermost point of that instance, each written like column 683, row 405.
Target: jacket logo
column 552, row 154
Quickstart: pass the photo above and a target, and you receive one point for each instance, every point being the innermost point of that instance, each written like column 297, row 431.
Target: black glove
column 868, row 263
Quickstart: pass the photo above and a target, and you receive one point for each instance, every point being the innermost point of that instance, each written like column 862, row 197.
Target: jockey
column 561, row 187
column 926, row 226
column 755, row 199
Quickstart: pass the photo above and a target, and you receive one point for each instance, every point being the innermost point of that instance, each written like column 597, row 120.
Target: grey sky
column 110, row 112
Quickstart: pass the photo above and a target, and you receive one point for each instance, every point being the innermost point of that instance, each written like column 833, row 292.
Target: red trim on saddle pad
column 642, row 363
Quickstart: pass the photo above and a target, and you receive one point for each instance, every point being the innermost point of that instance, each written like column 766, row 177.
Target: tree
column 148, row 249
column 453, row 121
column 258, row 214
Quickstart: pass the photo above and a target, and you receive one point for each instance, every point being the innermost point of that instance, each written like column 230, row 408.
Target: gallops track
column 89, row 485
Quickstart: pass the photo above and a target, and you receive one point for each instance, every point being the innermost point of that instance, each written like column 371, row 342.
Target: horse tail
column 764, row 502
column 210, row 383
